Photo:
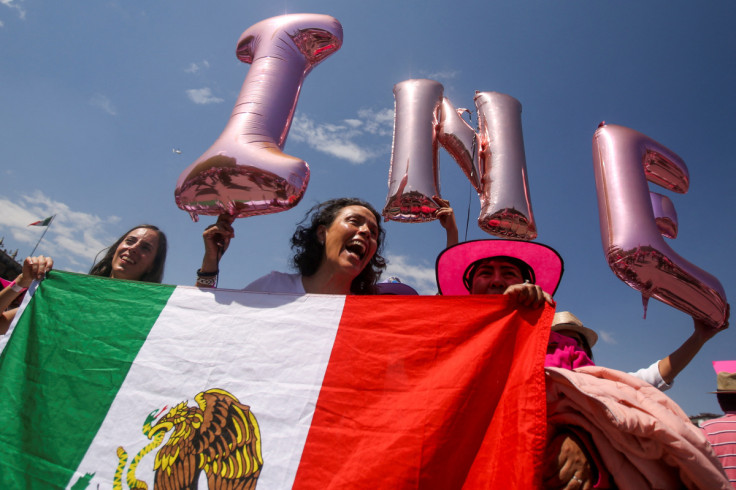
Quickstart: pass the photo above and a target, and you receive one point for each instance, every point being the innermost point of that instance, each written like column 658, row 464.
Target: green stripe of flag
column 45, row 432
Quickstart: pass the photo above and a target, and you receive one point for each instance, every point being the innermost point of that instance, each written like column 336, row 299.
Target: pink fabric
column 564, row 352
column 644, row 438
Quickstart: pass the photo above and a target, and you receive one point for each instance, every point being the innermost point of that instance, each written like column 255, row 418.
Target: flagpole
column 42, row 235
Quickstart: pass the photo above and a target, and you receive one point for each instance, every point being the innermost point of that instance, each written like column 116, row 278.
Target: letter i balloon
column 245, row 172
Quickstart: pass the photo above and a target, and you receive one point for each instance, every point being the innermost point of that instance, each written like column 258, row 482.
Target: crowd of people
column 337, row 249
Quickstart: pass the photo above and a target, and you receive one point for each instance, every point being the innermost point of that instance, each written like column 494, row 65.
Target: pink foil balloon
column 506, row 208
column 245, row 172
column 414, row 173
column 460, row 141
column 665, row 214
column 624, row 160
column 492, row 159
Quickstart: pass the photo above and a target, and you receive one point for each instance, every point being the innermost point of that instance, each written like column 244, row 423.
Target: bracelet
column 207, row 274
column 16, row 288
column 206, row 281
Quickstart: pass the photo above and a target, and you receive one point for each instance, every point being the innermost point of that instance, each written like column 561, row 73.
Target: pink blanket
column 643, row 437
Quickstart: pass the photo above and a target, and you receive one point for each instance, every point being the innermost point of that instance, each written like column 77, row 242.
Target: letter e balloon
column 633, row 221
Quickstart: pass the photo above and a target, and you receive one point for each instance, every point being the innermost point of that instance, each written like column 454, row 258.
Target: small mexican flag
column 109, row 384
column 45, row 222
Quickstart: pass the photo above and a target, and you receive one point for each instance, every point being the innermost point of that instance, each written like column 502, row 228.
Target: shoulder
column 277, row 282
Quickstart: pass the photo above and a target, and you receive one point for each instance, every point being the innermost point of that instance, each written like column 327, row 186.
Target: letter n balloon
column 245, row 172
column 633, row 222
column 492, row 158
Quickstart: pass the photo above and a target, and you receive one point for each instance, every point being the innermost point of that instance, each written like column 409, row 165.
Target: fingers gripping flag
column 113, row 383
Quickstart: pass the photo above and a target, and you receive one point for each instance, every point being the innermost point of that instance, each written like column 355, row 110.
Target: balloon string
column 475, row 149
column 467, row 219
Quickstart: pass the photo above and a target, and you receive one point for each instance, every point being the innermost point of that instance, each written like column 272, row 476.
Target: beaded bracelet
column 208, row 279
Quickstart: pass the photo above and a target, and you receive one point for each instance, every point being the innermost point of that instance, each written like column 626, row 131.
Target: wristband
column 206, row 281
column 15, row 287
column 207, row 274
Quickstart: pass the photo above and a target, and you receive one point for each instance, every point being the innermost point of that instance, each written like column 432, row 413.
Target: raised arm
column 33, row 268
column 672, row 365
column 216, row 241
column 447, row 219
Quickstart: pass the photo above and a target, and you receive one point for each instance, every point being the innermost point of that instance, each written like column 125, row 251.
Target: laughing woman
column 138, row 255
column 337, row 250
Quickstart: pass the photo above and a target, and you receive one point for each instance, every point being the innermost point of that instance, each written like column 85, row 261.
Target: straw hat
column 564, row 320
column 726, row 376
column 453, row 263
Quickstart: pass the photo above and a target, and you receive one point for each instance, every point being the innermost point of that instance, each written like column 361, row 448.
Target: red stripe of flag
column 431, row 392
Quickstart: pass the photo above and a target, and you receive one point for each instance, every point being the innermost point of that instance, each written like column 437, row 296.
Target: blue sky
column 95, row 96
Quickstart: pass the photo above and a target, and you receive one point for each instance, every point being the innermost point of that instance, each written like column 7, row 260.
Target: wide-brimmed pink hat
column 452, row 264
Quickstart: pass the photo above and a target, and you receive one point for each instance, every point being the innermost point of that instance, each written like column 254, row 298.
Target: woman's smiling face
column 135, row 254
column 350, row 241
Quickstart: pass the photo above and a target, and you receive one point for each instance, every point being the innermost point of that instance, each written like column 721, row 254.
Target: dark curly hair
column 308, row 250
column 155, row 274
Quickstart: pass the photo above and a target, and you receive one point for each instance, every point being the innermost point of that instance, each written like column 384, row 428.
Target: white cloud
column 443, row 75
column 379, row 122
column 102, row 102
column 12, row 4
column 420, row 276
column 339, row 140
column 203, row 96
column 73, row 239
column 607, row 337
column 195, row 67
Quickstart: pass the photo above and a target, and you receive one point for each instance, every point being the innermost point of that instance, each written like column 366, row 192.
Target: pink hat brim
column 454, row 261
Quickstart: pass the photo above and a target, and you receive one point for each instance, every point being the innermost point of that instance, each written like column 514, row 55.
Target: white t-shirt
column 277, row 282
column 651, row 375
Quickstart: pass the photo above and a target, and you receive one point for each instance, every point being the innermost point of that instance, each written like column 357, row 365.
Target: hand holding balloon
column 447, row 219
column 216, row 241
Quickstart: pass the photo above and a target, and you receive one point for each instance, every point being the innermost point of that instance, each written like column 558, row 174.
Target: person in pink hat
column 528, row 272
column 721, row 432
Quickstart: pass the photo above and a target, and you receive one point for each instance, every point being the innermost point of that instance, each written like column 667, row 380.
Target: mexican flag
column 43, row 222
column 108, row 384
